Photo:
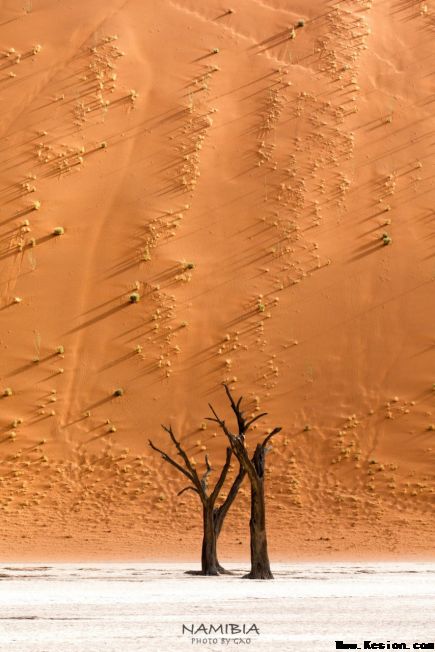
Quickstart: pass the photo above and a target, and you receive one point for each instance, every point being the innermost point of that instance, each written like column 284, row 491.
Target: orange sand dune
column 239, row 175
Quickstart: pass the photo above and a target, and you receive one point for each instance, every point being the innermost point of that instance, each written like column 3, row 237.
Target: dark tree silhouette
column 213, row 517
column 254, row 467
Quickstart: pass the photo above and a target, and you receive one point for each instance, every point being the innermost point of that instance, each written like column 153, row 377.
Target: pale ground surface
column 71, row 608
column 243, row 194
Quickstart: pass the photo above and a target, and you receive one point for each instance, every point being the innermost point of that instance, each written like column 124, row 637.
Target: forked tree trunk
column 255, row 467
column 219, row 514
column 260, row 566
column 212, row 518
column 209, row 562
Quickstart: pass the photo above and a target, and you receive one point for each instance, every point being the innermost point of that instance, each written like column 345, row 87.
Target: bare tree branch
column 249, row 423
column 241, row 452
column 168, row 459
column 236, row 409
column 243, row 425
column 219, row 421
column 222, row 510
column 194, row 475
column 274, row 432
column 177, row 444
column 188, row 488
column 204, row 479
column 223, row 475
column 258, row 460
column 237, row 443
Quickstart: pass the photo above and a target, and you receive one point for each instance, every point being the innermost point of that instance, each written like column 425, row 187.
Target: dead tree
column 213, row 517
column 255, row 468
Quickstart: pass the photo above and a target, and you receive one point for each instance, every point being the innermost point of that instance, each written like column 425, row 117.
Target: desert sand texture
column 194, row 193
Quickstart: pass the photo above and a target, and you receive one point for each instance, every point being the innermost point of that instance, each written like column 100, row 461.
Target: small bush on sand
column 134, row 297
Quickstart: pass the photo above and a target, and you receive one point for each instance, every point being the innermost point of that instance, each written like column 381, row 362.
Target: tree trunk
column 219, row 514
column 260, row 566
column 209, row 562
column 218, row 520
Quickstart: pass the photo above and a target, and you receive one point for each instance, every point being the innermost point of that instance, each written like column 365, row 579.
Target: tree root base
column 259, row 576
column 218, row 571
